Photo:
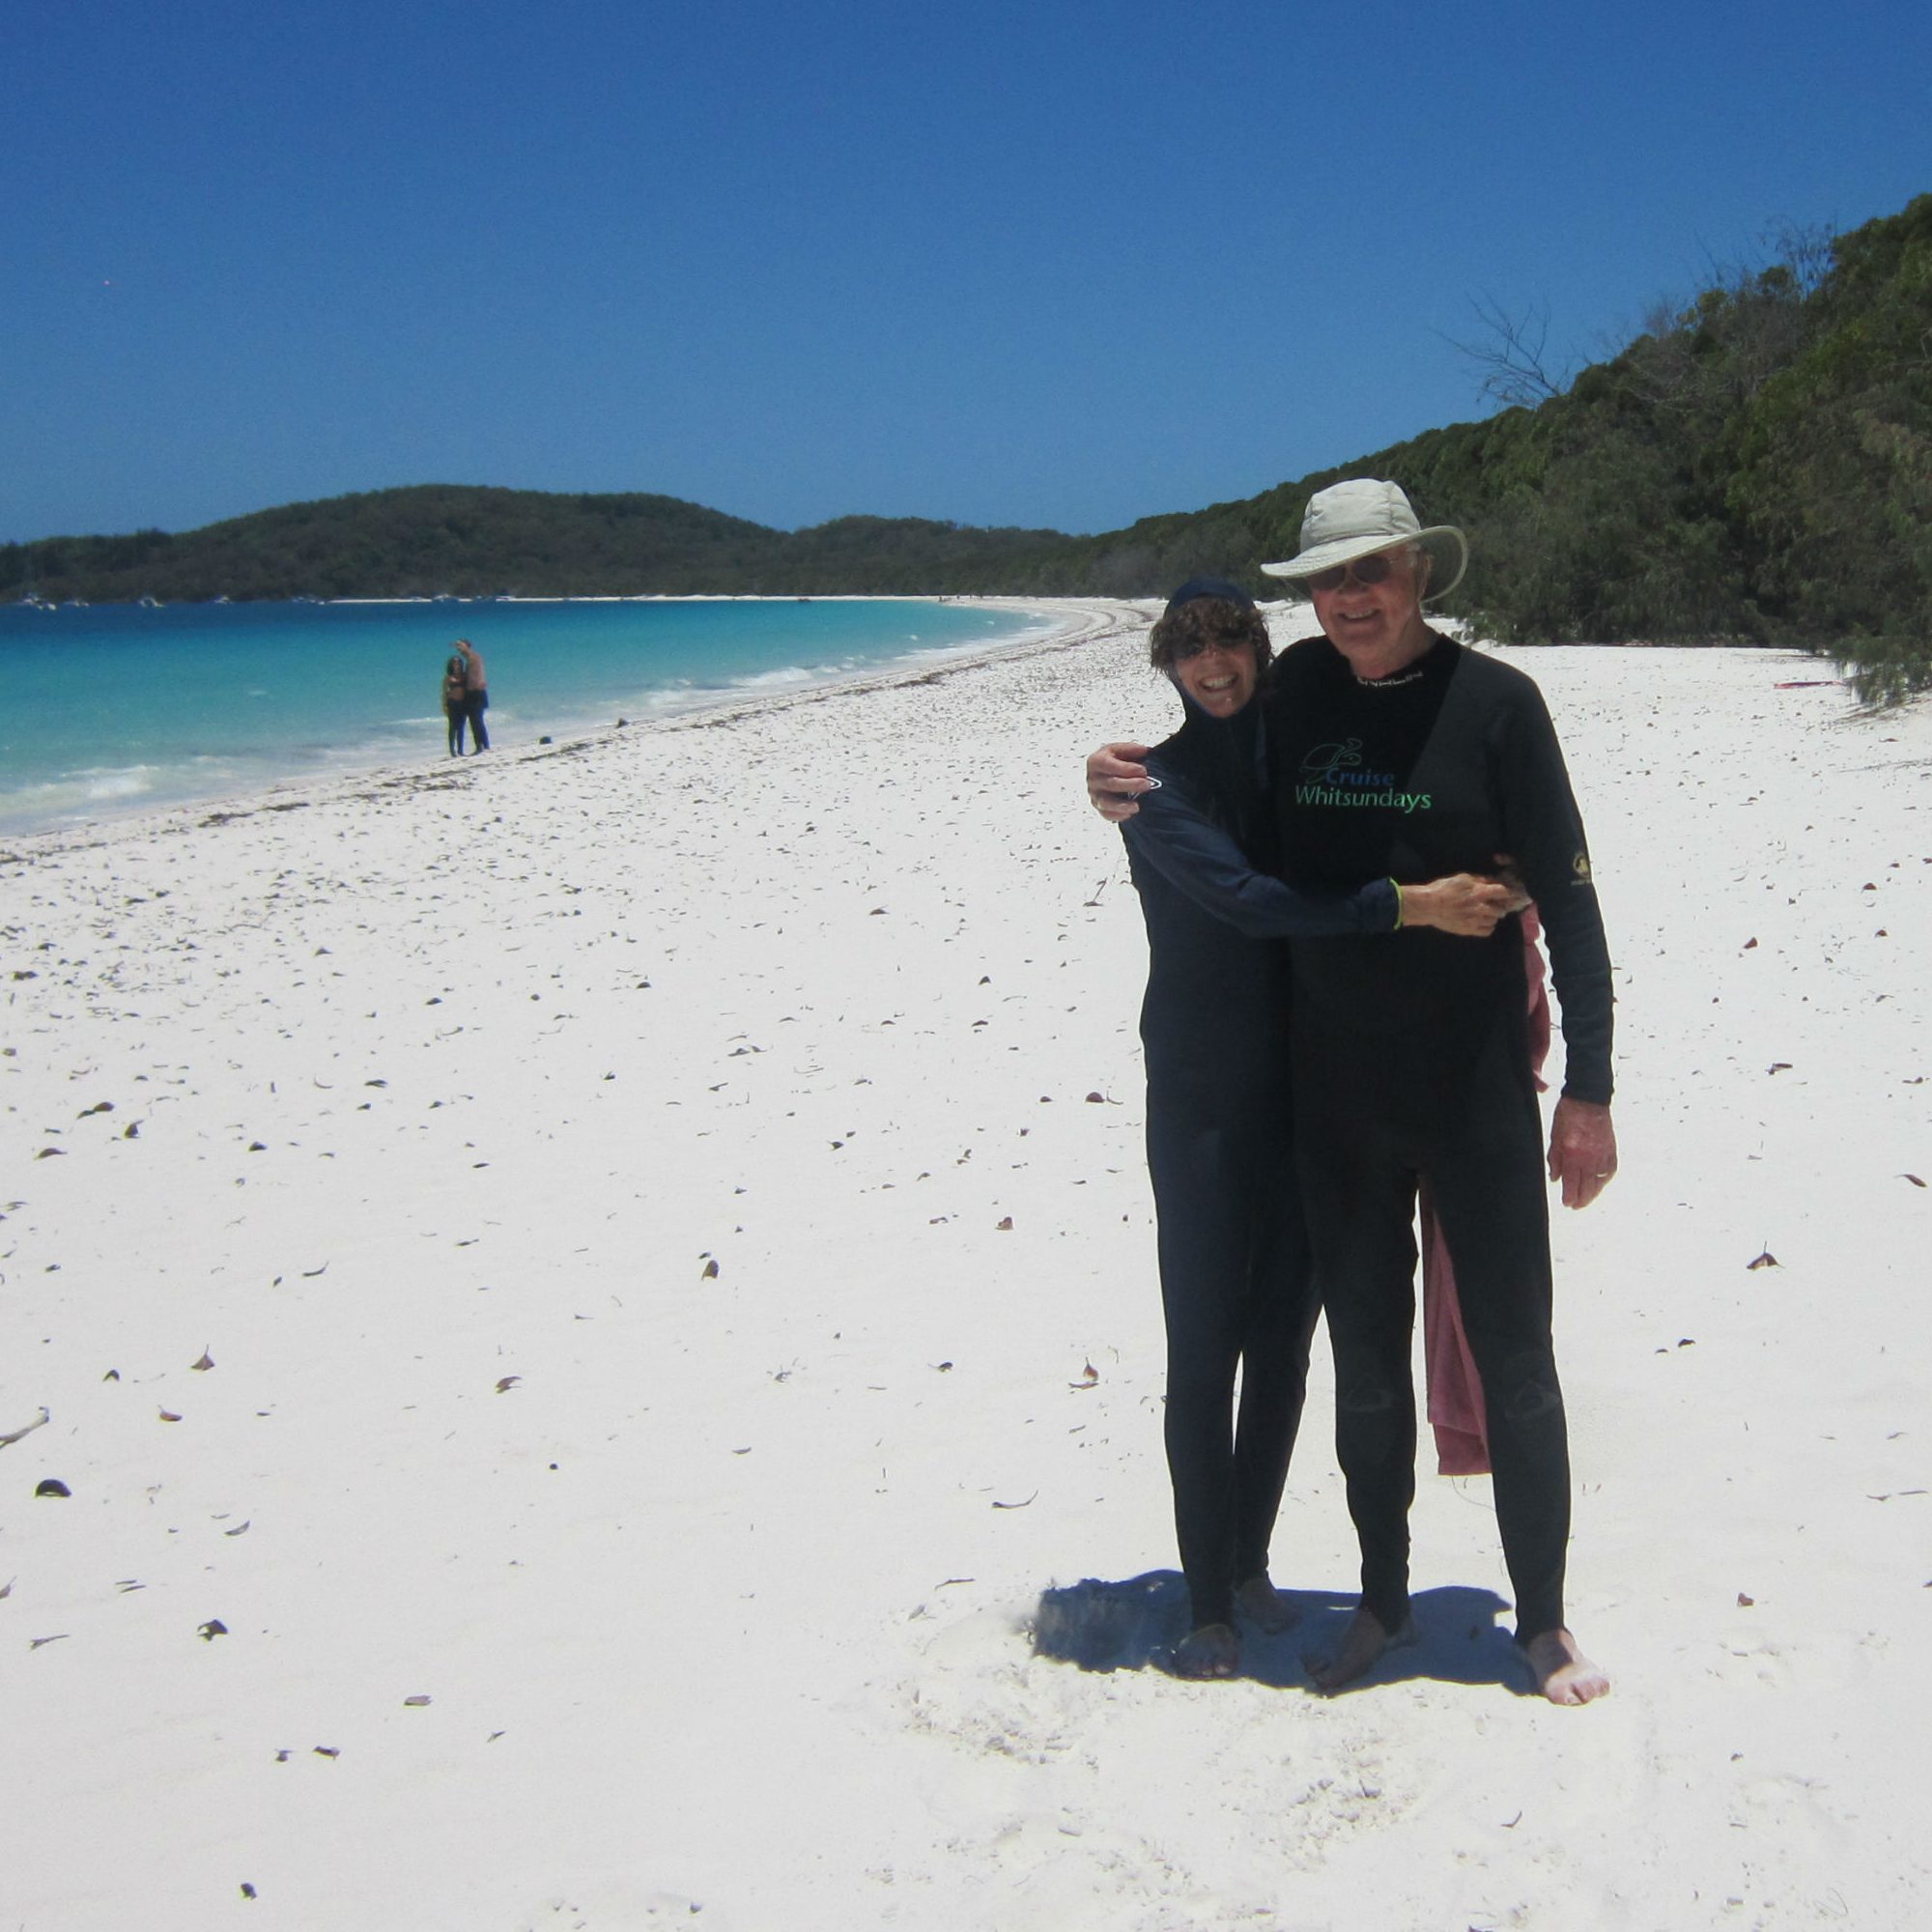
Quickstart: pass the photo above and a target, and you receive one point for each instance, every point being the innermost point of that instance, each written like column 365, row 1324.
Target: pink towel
column 1455, row 1389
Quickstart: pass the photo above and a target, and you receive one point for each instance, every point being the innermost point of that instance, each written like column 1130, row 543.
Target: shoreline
column 1080, row 619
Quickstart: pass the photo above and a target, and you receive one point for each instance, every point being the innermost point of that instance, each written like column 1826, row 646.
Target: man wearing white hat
column 1396, row 752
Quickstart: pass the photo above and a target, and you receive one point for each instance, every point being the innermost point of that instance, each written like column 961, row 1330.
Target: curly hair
column 1207, row 621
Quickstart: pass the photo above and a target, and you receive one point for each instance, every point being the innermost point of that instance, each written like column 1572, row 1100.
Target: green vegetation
column 1754, row 466
column 1757, row 465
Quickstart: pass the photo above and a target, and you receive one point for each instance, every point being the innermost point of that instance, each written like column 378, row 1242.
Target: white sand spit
column 585, row 1306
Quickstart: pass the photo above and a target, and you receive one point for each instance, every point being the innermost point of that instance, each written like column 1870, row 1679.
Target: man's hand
column 1464, row 903
column 1115, row 779
column 1583, row 1150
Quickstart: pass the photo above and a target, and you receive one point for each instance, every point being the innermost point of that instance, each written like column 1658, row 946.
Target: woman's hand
column 1464, row 903
column 1115, row 779
column 1507, row 872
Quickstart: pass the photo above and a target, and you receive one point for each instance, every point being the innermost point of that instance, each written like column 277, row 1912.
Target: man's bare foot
column 1212, row 1650
column 1360, row 1650
column 1267, row 1607
column 1563, row 1673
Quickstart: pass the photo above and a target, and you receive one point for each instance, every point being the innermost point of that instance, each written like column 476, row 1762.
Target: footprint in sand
column 616, row 1905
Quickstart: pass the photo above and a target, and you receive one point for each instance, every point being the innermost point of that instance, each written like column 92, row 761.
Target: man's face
column 1370, row 622
column 1220, row 679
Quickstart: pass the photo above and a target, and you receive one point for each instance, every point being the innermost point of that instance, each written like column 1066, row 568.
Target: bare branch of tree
column 1511, row 356
column 1803, row 247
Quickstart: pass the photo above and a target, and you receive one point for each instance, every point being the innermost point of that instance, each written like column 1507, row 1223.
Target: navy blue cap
column 1198, row 588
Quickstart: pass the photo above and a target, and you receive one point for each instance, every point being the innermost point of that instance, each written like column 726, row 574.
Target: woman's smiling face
column 1221, row 678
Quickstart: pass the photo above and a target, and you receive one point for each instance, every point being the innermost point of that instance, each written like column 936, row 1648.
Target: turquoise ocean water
column 108, row 709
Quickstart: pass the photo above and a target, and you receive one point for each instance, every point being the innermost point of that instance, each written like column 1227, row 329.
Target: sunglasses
column 1366, row 569
column 1197, row 646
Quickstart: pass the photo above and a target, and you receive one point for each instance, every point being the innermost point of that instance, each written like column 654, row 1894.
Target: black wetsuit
column 1411, row 1063
column 1234, row 1280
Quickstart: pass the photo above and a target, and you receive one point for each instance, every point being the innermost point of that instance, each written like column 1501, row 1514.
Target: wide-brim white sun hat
column 1363, row 515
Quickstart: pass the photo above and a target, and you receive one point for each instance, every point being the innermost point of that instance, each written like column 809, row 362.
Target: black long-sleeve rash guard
column 1205, row 832
column 1437, row 770
column 1177, row 834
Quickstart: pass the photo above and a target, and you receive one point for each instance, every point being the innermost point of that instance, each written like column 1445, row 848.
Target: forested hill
column 477, row 542
column 1757, row 465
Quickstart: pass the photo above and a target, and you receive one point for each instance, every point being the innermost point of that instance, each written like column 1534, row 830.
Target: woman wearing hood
column 1237, row 1287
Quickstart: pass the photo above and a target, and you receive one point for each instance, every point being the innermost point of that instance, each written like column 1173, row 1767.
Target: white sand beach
column 588, row 1303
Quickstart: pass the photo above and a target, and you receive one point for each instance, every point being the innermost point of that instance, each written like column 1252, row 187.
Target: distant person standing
column 455, row 701
column 476, row 693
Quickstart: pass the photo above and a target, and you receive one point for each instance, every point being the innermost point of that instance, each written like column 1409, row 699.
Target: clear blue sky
column 1004, row 260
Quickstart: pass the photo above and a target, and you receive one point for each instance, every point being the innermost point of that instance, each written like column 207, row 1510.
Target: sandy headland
column 588, row 1303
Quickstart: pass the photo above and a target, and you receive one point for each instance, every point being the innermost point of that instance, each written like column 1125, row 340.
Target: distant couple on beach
column 466, row 696
column 1389, row 803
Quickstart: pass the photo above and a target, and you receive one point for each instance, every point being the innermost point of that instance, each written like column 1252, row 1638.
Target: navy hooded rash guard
column 1235, row 1283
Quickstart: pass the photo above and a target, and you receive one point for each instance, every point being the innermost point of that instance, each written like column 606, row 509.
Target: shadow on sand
column 1135, row 1623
